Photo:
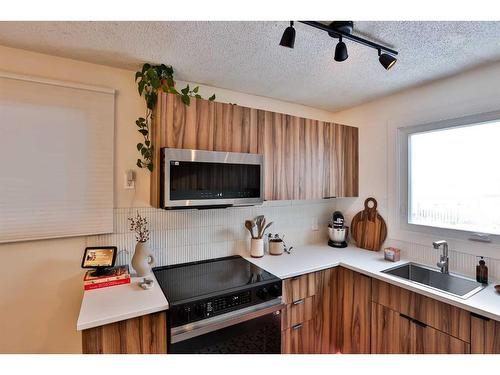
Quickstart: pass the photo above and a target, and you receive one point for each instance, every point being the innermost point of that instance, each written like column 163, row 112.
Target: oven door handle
column 190, row 330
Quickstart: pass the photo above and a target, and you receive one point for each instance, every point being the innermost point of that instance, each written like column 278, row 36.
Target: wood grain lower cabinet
column 396, row 333
column 390, row 332
column 439, row 315
column 485, row 335
column 298, row 339
column 354, row 312
column 324, row 318
column 142, row 335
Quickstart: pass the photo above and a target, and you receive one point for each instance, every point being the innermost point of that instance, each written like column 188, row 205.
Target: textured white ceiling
column 246, row 57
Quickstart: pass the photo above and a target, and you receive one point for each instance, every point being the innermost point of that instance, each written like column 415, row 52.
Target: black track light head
column 386, row 60
column 288, row 38
column 341, row 51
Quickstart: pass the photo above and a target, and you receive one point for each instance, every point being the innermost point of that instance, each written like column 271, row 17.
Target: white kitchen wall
column 472, row 92
column 179, row 236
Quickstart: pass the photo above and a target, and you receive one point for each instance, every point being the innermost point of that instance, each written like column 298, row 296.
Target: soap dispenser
column 482, row 272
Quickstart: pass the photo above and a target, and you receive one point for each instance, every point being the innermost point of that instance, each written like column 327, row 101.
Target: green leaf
column 173, row 91
column 155, row 82
column 151, row 73
column 144, row 150
column 212, row 98
column 197, row 96
column 170, row 82
column 195, row 90
column 144, row 132
column 141, row 86
column 150, row 167
column 139, row 163
column 145, row 67
column 141, row 119
column 185, row 99
column 147, row 143
column 185, row 90
column 139, row 146
column 137, row 75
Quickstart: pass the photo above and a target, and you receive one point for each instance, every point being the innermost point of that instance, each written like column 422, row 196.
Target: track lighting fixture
column 340, row 30
column 288, row 38
column 340, row 51
column 386, row 60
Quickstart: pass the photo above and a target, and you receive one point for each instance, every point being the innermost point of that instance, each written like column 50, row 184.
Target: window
column 454, row 176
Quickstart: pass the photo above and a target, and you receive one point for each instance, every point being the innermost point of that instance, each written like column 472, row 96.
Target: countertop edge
column 119, row 318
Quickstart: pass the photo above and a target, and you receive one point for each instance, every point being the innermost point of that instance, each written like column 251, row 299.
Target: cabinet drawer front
column 442, row 316
column 298, row 339
column 299, row 287
column 297, row 312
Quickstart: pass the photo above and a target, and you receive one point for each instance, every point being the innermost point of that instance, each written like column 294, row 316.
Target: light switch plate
column 129, row 180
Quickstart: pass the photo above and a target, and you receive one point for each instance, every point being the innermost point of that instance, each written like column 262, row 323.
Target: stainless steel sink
column 452, row 284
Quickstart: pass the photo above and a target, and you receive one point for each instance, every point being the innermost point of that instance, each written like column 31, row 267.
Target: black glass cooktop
column 190, row 281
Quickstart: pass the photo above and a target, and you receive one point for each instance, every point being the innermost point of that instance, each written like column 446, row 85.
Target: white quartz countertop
column 112, row 304
column 109, row 305
column 305, row 259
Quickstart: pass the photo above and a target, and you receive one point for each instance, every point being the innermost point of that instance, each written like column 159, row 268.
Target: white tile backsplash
column 191, row 235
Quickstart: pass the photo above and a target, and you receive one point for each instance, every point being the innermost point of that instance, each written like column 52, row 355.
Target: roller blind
column 56, row 159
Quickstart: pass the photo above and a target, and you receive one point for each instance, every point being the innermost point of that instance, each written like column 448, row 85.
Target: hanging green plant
column 150, row 79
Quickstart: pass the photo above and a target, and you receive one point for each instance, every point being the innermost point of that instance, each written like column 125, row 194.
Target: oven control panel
column 194, row 311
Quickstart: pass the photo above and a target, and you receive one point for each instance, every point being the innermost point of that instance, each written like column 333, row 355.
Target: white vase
column 143, row 259
column 257, row 247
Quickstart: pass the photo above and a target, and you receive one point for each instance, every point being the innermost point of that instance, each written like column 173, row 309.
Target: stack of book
column 113, row 276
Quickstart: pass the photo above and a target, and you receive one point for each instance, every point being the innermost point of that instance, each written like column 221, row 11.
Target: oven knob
column 262, row 293
column 275, row 290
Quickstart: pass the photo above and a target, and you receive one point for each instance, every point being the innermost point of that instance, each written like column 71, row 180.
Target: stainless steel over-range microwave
column 199, row 179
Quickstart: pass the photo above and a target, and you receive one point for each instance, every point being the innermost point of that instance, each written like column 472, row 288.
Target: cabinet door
column 279, row 143
column 299, row 287
column 354, row 312
column 146, row 334
column 390, row 331
column 313, row 147
column 235, row 128
column 343, row 161
column 485, row 335
column 325, row 322
column 298, row 339
column 427, row 340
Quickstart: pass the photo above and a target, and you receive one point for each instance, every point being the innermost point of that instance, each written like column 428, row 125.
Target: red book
column 111, row 274
column 107, row 284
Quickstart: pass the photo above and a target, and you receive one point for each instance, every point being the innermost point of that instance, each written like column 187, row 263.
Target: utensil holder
column 257, row 247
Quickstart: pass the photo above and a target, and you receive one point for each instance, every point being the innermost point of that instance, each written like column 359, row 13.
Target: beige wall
column 469, row 93
column 41, row 280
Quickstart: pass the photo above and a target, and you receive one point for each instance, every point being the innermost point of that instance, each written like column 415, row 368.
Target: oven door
column 253, row 330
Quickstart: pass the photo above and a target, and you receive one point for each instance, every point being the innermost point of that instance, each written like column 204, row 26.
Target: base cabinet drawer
column 298, row 339
column 395, row 333
column 297, row 312
column 299, row 287
column 485, row 335
column 439, row 315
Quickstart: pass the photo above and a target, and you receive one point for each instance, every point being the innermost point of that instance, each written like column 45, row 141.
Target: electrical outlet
column 129, row 180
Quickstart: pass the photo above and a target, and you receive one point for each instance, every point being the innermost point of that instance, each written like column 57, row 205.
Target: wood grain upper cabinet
column 235, row 129
column 278, row 141
column 354, row 312
column 343, row 161
column 485, row 335
column 303, row 158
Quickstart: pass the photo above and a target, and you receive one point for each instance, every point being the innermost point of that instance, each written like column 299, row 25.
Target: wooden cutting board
column 368, row 228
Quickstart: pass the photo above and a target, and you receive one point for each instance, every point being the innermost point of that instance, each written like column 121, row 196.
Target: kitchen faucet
column 443, row 259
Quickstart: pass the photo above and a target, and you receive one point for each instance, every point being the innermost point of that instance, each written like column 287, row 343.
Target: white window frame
column 403, row 188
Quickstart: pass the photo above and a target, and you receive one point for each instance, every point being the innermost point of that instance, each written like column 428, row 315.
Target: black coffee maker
column 337, row 231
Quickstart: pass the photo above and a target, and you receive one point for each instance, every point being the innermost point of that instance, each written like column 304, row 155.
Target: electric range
column 223, row 305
